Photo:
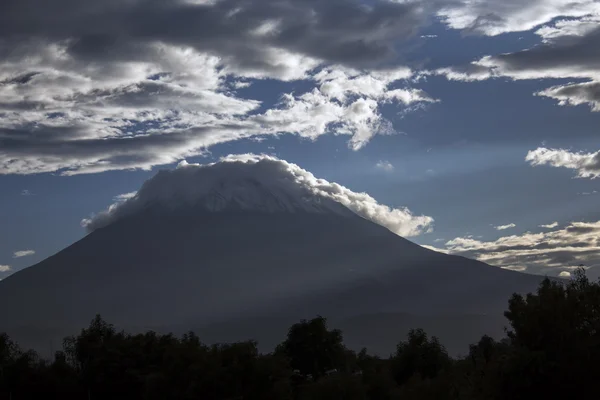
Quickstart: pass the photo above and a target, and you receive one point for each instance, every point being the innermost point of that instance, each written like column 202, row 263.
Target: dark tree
column 419, row 356
column 555, row 337
column 313, row 349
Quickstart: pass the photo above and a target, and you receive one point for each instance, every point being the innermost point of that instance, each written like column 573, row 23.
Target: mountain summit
column 242, row 248
column 231, row 185
column 256, row 183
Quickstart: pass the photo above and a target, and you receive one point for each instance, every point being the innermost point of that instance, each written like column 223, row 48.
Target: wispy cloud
column 23, row 253
column 5, row 268
column 504, row 227
column 550, row 226
column 26, row 192
column 547, row 252
column 385, row 165
column 124, row 196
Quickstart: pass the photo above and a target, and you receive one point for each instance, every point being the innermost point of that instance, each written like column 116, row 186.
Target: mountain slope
column 168, row 268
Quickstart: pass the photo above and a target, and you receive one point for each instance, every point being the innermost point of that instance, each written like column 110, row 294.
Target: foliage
column 419, row 356
column 552, row 351
column 313, row 349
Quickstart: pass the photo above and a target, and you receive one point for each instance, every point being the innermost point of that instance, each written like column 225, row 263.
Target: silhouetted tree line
column 552, row 351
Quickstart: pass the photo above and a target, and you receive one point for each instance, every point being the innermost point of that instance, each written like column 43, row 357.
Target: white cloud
column 587, row 165
column 5, row 268
column 492, row 17
column 565, row 274
column 544, row 253
column 469, row 73
column 310, row 115
column 385, row 165
column 124, row 196
column 345, row 102
column 504, row 227
column 190, row 184
column 339, row 83
column 23, row 253
column 241, row 84
column 549, row 226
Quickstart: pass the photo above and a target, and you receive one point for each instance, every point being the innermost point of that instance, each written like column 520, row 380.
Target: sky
column 477, row 116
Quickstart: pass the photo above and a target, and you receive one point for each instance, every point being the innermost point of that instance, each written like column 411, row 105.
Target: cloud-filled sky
column 480, row 115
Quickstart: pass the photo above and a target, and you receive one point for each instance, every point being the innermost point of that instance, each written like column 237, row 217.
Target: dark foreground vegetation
column 552, row 351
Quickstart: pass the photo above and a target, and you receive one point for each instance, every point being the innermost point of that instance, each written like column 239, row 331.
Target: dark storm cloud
column 34, row 154
column 569, row 52
column 580, row 229
column 568, row 56
column 87, row 86
column 340, row 31
column 21, row 79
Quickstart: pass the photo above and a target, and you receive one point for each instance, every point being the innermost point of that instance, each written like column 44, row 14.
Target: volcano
column 242, row 249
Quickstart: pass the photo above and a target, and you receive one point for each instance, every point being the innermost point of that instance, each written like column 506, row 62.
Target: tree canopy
column 551, row 351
